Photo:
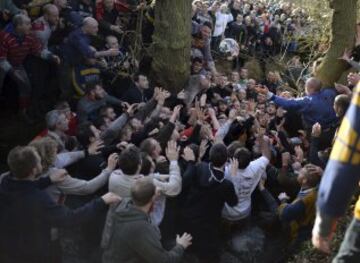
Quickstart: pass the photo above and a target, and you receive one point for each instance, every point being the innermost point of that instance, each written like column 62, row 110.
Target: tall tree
column 343, row 28
column 172, row 43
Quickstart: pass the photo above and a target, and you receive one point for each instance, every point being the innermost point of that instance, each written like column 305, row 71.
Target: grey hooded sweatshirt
column 130, row 237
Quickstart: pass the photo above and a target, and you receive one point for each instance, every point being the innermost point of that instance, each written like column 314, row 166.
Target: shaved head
column 90, row 26
column 312, row 86
column 51, row 14
column 50, row 9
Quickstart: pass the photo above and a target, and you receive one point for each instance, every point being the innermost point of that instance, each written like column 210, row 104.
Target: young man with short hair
column 132, row 237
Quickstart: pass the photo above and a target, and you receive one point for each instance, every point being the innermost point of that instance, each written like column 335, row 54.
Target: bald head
column 51, row 14
column 90, row 26
column 312, row 86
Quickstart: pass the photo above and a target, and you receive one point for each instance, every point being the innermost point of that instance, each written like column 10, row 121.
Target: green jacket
column 130, row 237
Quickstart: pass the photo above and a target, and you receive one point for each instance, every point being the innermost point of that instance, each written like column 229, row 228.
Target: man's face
column 109, row 4
column 251, row 84
column 242, row 94
column 99, row 92
column 271, row 109
column 93, row 28
column 53, row 17
column 261, row 107
column 243, row 73
column 143, row 82
column 110, row 113
column 271, row 77
column 235, row 77
column 204, row 8
column 268, row 41
column 197, row 66
column 261, row 98
column 157, row 149
column 136, row 124
column 222, row 107
column 205, row 32
column 62, row 123
column 25, row 27
column 112, row 42
column 239, row 18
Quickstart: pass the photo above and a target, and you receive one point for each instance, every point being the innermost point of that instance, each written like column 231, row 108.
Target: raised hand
column 283, row 197
column 188, row 154
column 202, row 148
column 316, row 130
column 131, row 110
column 172, row 151
column 184, row 240
column 176, row 113
column 112, row 161
column 95, row 147
column 234, row 166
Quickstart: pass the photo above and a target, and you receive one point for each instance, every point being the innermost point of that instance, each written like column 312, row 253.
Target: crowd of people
column 151, row 173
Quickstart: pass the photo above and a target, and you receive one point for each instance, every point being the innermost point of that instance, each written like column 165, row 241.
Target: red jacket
column 120, row 6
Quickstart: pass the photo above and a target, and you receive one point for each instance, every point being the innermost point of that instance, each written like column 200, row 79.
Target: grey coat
column 130, row 237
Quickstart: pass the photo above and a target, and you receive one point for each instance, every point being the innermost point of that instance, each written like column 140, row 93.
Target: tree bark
column 171, row 44
column 343, row 34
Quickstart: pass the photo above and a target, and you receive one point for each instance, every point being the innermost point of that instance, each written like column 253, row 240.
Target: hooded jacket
column 130, row 237
column 206, row 192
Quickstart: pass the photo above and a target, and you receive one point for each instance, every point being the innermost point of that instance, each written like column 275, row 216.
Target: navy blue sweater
column 26, row 217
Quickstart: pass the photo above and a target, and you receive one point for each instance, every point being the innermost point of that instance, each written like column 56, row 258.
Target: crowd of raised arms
column 152, row 176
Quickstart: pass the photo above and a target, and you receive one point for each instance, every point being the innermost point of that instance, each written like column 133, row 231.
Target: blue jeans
column 349, row 251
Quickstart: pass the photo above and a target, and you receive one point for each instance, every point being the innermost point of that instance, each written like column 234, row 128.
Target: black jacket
column 206, row 194
column 27, row 215
column 206, row 191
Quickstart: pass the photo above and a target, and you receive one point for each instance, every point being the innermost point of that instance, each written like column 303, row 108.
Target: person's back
column 206, row 192
column 246, row 179
column 121, row 180
column 321, row 108
column 207, row 197
column 22, row 205
column 245, row 183
column 129, row 236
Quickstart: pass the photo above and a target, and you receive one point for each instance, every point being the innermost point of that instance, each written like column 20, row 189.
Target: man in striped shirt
column 15, row 45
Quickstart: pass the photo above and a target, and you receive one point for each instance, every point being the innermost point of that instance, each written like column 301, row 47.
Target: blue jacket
column 27, row 215
column 76, row 47
column 315, row 108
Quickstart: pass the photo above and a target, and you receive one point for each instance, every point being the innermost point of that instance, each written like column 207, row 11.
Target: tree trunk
column 343, row 28
column 171, row 44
